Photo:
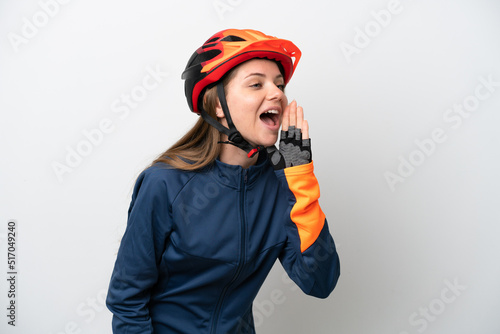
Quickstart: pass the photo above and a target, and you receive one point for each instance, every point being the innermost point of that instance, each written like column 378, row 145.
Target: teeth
column 272, row 112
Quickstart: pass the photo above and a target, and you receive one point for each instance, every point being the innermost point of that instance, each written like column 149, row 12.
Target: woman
column 211, row 215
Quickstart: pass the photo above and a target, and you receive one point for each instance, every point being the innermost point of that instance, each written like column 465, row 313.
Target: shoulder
column 161, row 170
column 161, row 177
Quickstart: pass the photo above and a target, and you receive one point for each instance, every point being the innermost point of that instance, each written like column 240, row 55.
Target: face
column 256, row 101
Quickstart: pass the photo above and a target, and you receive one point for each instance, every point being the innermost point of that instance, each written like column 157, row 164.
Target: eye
column 282, row 87
column 256, row 85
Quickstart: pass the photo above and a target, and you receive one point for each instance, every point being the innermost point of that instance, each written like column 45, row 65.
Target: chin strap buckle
column 254, row 151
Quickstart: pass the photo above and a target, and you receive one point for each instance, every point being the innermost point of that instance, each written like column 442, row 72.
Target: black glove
column 294, row 150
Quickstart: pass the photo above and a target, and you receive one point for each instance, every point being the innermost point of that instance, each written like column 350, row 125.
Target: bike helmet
column 218, row 55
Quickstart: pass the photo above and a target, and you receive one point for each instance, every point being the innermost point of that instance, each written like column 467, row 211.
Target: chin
column 269, row 140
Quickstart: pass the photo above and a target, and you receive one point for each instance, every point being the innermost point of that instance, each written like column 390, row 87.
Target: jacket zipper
column 242, row 252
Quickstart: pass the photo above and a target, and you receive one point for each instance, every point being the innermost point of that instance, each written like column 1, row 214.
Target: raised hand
column 295, row 144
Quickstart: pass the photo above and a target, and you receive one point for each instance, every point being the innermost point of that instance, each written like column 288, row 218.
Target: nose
column 275, row 93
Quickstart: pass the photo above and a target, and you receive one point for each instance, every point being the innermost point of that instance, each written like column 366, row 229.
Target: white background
column 400, row 246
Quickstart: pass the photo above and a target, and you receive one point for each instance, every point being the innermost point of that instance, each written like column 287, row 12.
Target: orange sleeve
column 306, row 213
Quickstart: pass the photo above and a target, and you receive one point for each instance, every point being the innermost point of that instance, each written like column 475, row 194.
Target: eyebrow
column 263, row 75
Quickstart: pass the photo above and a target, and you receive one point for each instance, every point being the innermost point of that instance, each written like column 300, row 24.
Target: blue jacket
column 198, row 246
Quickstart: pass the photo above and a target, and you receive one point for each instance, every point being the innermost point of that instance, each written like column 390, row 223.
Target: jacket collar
column 234, row 175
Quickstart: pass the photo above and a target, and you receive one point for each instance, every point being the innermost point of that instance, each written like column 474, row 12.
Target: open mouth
column 270, row 117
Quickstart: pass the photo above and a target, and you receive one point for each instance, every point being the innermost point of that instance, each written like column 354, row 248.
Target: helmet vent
column 203, row 57
column 212, row 40
column 208, row 45
column 232, row 38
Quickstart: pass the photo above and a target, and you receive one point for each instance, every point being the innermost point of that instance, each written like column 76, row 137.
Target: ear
column 218, row 110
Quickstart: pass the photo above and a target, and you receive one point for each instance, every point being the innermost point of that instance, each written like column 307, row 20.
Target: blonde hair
column 199, row 146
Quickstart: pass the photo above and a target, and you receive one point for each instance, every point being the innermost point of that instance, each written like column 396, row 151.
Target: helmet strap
column 233, row 135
